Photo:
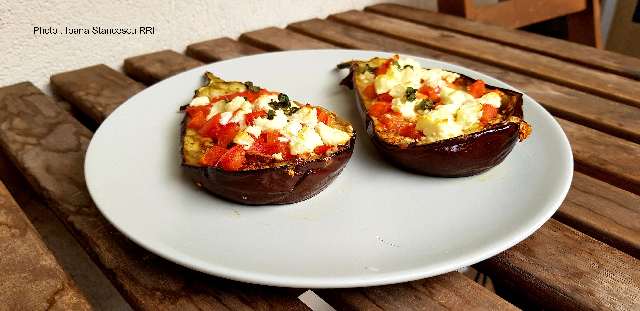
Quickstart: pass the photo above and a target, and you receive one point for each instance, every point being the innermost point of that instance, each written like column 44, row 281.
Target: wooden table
column 585, row 257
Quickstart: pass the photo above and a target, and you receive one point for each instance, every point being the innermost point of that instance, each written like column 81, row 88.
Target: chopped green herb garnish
column 410, row 94
column 282, row 97
column 271, row 114
column 395, row 63
column 254, row 89
column 405, row 66
column 283, row 104
column 365, row 68
column 226, row 100
column 425, row 104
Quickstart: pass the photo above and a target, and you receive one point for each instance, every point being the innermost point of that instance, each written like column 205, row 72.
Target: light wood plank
column 592, row 57
column 97, row 91
column 50, row 154
column 153, row 67
column 451, row 291
column 599, row 83
column 604, row 212
column 277, row 39
column 220, row 49
column 560, row 268
column 31, row 277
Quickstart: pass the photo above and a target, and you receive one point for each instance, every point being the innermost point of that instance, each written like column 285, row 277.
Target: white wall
column 29, row 56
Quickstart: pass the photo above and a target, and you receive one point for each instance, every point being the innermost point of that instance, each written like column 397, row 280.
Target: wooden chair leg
column 584, row 27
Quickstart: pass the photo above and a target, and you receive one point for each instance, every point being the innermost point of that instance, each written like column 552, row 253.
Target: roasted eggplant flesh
column 252, row 146
column 433, row 121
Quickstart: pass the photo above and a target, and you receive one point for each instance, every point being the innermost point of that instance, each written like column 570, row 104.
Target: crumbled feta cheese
column 199, row 101
column 491, row 98
column 331, row 136
column 254, row 130
column 306, row 141
column 406, row 108
column 243, row 138
column 307, row 116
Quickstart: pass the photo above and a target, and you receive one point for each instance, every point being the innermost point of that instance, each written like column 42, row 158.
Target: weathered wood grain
column 586, row 109
column 451, row 291
column 97, row 91
column 577, row 53
column 48, row 146
column 596, row 82
column 31, row 277
column 278, row 39
column 220, row 49
column 604, row 212
column 153, row 67
column 560, row 268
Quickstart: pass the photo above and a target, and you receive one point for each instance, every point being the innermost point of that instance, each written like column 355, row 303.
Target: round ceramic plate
column 374, row 225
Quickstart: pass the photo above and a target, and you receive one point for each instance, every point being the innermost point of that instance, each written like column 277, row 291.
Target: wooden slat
column 603, row 212
column 220, row 49
column 587, row 56
column 277, row 39
column 560, row 268
column 586, row 109
column 603, row 156
column 91, row 89
column 603, row 84
column 31, row 277
column 50, row 153
column 153, row 67
column 451, row 291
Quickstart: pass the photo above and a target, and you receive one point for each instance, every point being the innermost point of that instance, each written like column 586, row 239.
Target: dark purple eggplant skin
column 461, row 156
column 279, row 185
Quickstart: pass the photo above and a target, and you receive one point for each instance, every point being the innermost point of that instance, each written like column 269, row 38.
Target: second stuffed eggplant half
column 252, row 146
column 432, row 121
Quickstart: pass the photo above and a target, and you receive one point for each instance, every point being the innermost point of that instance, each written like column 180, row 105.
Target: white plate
column 373, row 225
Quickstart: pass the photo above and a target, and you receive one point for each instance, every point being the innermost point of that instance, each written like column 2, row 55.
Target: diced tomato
column 211, row 127
column 322, row 149
column 421, row 96
column 370, row 91
column 430, row 92
column 212, row 156
column 252, row 116
column 477, row 89
column 393, row 121
column 379, row 108
column 488, row 112
column 197, row 121
column 385, row 97
column 272, row 137
column 194, row 110
column 322, row 116
column 383, row 69
column 233, row 159
column 410, row 131
column 227, row 133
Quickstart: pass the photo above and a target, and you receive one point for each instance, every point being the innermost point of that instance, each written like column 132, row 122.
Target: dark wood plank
column 562, row 269
column 604, row 157
column 220, row 49
column 50, row 154
column 586, row 109
column 451, row 291
column 31, row 277
column 616, row 88
column 278, row 39
column 587, row 56
column 153, row 67
column 520, row 13
column 604, row 212
column 92, row 89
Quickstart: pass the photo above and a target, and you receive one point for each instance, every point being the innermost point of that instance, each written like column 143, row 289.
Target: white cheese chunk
column 307, row 116
column 243, row 138
column 306, row 141
column 331, row 136
column 199, row 101
column 491, row 98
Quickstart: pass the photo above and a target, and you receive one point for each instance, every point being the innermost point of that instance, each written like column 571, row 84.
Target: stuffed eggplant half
column 432, row 121
column 252, row 146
